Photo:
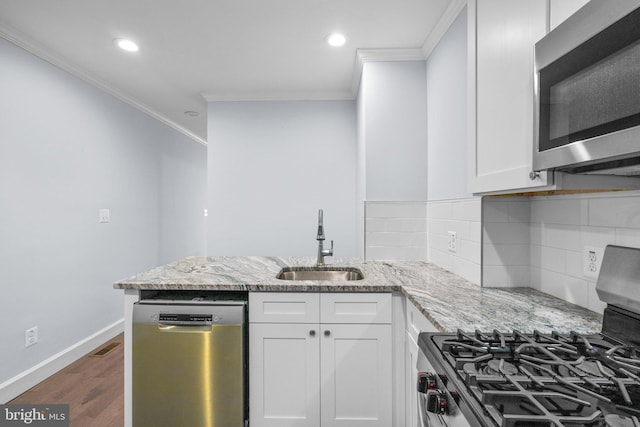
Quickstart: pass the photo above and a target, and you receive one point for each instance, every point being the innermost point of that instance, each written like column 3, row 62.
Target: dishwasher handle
column 188, row 319
column 184, row 329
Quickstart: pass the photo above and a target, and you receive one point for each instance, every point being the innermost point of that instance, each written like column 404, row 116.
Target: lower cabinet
column 284, row 375
column 356, row 371
column 320, row 371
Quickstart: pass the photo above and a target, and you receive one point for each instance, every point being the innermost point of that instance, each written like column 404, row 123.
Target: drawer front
column 355, row 308
column 284, row 307
column 416, row 321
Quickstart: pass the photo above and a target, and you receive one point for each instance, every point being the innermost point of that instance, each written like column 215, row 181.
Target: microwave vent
column 625, row 167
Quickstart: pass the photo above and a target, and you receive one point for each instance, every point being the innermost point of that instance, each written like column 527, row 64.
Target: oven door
column 588, row 90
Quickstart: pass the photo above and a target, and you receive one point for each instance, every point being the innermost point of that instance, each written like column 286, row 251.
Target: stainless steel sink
column 320, row 273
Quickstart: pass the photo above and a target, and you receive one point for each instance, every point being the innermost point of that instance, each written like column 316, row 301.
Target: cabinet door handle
column 312, row 333
column 327, row 333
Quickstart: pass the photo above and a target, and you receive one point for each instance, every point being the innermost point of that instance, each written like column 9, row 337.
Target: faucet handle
column 328, row 252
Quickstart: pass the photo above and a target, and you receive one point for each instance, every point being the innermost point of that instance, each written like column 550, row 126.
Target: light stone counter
column 447, row 300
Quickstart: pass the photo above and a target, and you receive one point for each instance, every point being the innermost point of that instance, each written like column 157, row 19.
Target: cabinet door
column 356, row 375
column 560, row 10
column 502, row 34
column 284, row 375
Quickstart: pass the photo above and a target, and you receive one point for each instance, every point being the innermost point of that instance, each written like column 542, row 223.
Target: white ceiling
column 194, row 51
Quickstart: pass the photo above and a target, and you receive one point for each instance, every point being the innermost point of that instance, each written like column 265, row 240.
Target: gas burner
column 499, row 367
column 541, row 380
column 513, row 379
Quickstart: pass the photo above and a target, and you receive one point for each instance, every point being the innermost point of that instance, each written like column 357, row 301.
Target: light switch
column 104, row 215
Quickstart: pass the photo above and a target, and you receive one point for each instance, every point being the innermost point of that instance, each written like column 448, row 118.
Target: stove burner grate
column 542, row 380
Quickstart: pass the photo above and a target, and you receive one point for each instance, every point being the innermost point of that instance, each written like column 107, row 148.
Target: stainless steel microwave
column 587, row 91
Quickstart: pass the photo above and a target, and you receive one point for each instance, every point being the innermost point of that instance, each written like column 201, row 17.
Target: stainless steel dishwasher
column 189, row 363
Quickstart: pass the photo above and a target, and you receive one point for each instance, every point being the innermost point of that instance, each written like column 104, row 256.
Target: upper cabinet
column 501, row 35
column 501, row 38
column 559, row 10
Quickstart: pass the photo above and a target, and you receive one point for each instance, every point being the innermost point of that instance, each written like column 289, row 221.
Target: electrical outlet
column 592, row 259
column 104, row 215
column 452, row 244
column 31, row 337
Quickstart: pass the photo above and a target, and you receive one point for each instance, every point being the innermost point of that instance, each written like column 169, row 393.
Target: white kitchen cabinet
column 330, row 367
column 284, row 376
column 502, row 34
column 416, row 323
column 356, row 367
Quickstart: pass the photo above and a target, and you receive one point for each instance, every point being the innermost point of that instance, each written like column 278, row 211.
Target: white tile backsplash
column 396, row 230
column 508, row 241
column 628, row 237
column 558, row 210
column 555, row 229
column 568, row 288
column 395, row 210
column 440, row 210
column 462, row 216
column 506, row 254
column 625, row 215
column 467, row 210
column 505, row 232
column 419, row 231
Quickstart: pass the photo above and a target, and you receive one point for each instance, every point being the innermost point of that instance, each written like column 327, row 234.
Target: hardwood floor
column 93, row 386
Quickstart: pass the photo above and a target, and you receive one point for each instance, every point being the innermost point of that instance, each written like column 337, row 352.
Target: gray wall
column 272, row 165
column 66, row 151
column 392, row 109
column 447, row 114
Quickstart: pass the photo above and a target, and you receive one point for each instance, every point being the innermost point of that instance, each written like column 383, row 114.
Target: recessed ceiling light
column 191, row 113
column 336, row 40
column 126, row 44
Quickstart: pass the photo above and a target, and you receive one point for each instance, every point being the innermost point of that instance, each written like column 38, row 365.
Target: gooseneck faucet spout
column 322, row 252
column 320, row 226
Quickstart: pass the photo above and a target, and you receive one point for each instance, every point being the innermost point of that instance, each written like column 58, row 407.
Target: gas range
column 537, row 379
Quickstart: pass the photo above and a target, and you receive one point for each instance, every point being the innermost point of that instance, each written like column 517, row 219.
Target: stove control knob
column 437, row 402
column 426, row 381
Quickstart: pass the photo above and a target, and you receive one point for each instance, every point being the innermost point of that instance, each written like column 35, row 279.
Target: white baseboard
column 22, row 382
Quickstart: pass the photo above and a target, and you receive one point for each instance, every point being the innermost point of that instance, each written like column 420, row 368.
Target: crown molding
column 362, row 56
column 15, row 38
column 380, row 55
column 443, row 24
column 282, row 96
column 416, row 54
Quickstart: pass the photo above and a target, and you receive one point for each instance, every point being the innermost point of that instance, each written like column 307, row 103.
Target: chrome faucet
column 322, row 252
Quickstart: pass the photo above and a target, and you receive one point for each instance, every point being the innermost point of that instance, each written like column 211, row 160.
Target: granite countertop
column 447, row 300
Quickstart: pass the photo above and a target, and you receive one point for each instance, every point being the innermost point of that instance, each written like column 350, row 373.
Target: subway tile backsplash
column 419, row 231
column 462, row 216
column 536, row 242
column 505, row 242
column 540, row 241
column 396, row 230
